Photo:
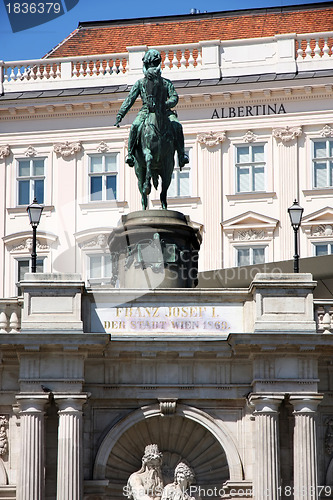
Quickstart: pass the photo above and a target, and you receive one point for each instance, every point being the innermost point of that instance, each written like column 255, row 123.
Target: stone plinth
column 52, row 302
column 155, row 249
column 283, row 302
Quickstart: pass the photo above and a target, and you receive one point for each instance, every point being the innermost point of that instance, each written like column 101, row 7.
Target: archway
column 189, row 434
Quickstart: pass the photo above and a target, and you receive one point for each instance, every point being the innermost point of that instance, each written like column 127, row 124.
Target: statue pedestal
column 155, row 249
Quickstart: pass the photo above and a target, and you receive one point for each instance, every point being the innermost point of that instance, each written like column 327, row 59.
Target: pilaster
column 211, row 157
column 305, row 446
column 31, row 480
column 70, row 447
column 267, row 476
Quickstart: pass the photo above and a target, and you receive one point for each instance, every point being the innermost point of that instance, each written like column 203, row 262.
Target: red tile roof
column 114, row 36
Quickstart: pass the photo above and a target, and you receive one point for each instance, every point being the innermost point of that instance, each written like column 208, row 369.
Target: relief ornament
column 66, row 149
column 211, row 139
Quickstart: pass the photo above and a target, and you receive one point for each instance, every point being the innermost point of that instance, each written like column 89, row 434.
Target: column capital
column 70, row 402
column 266, row 402
column 32, row 402
column 305, row 402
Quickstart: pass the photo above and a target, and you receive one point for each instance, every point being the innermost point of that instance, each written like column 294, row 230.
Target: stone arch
column 210, row 430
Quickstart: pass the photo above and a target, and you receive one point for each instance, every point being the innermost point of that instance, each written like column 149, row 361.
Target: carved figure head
column 28, row 243
column 184, row 475
column 152, row 456
column 101, row 240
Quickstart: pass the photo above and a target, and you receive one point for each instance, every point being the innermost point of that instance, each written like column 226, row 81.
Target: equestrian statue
column 155, row 133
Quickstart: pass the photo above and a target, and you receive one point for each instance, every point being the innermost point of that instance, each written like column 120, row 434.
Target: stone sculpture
column 147, row 483
column 3, row 435
column 156, row 132
column 179, row 489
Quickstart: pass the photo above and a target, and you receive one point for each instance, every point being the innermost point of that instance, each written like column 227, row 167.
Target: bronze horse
column 155, row 147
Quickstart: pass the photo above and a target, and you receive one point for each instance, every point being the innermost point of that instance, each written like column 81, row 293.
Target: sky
column 34, row 43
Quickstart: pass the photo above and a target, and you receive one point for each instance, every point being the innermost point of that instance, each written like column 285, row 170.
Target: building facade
column 256, row 110
column 237, row 382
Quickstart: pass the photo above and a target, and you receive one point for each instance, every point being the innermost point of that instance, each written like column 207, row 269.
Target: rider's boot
column 130, row 160
column 183, row 158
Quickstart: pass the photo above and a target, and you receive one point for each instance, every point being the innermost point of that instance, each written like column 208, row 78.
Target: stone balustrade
column 314, row 48
column 10, row 315
column 203, row 60
column 323, row 311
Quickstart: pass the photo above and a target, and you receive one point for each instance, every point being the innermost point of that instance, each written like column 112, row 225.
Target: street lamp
column 34, row 211
column 295, row 214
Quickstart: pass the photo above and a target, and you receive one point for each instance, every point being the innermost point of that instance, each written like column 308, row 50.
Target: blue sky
column 35, row 42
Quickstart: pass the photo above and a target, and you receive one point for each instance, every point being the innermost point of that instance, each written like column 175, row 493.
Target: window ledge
column 243, row 197
column 101, row 205
column 99, row 281
column 22, row 210
column 318, row 192
column 179, row 200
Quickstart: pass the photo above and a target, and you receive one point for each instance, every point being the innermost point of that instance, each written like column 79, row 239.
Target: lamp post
column 295, row 214
column 34, row 211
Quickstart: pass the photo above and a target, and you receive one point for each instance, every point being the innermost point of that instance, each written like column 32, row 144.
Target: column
column 305, row 446
column 70, row 464
column 266, row 475
column 31, row 478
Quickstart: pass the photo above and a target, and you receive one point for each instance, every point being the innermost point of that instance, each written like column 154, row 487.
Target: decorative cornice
column 103, row 147
column 327, row 131
column 4, row 151
column 287, row 134
column 30, row 151
column 66, row 149
column 27, row 245
column 100, row 241
column 250, row 234
column 211, row 139
column 250, row 136
column 322, row 230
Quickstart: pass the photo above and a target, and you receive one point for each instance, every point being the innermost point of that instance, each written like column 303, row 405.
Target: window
column 247, row 256
column 180, row 182
column 323, row 164
column 250, row 168
column 30, row 180
column 24, row 266
column 99, row 268
column 103, row 177
column 323, row 249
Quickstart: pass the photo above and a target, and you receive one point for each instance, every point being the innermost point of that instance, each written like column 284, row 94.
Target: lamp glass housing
column 295, row 214
column 34, row 211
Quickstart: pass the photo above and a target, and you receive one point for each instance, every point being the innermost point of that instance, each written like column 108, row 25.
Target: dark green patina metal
column 156, row 132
